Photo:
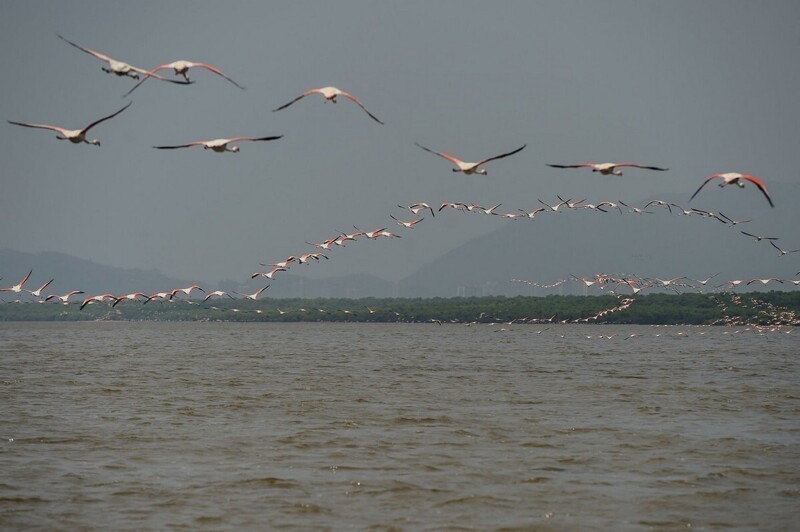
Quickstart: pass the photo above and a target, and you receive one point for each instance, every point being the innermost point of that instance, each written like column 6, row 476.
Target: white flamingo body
column 254, row 295
column 469, row 168
column 735, row 178
column 65, row 298
column 38, row 291
column 75, row 136
column 608, row 168
column 218, row 145
column 330, row 94
column 217, row 293
column 17, row 288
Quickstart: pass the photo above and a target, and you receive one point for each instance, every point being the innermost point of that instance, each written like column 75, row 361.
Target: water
column 342, row 426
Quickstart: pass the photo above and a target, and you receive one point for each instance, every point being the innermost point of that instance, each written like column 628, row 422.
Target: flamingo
column 705, row 281
column 553, row 208
column 407, row 225
column 270, row 274
column 218, row 145
column 531, row 215
column 765, row 281
column 608, row 168
column 659, row 202
column 17, row 288
column 218, row 293
column 415, row 208
column 96, row 299
column 182, row 68
column 325, row 244
column 283, row 264
column 118, row 67
column 783, row 251
column 470, row 168
column 735, row 178
column 388, row 234
column 75, row 136
column 490, row 210
column 635, row 210
column 733, row 222
column 187, row 290
column 759, row 238
column 134, row 296
column 254, row 295
column 330, row 94
column 160, row 295
column 303, row 259
column 38, row 291
column 65, row 298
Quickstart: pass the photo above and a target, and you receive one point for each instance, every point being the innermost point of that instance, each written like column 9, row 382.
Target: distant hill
column 585, row 242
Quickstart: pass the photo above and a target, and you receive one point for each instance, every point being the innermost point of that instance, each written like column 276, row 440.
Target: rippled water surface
column 342, row 426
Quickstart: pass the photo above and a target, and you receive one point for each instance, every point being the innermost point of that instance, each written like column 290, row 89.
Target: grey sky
column 699, row 87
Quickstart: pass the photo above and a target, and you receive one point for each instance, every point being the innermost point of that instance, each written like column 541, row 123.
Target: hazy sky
column 697, row 86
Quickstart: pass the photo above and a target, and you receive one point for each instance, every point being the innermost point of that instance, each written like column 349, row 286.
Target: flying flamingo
column 783, row 251
column 181, row 68
column 218, row 145
column 735, row 178
column 407, row 225
column 330, row 94
column 160, row 295
column 134, row 296
column 254, row 295
column 415, row 208
column 96, row 299
column 65, row 298
column 765, row 281
column 118, row 67
column 531, row 215
column 38, row 291
column 759, row 238
column 269, row 275
column 469, row 168
column 187, row 290
column 76, row 136
column 608, row 168
column 17, row 288
column 218, row 293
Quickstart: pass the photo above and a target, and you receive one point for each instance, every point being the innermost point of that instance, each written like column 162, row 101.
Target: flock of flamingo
column 607, row 282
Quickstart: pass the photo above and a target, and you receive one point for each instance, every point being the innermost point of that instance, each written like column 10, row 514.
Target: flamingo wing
column 215, row 71
column 239, row 139
column 760, row 184
column 89, row 51
column 112, row 115
column 484, row 161
column 709, row 178
column 147, row 75
column 581, row 165
column 449, row 157
column 355, row 100
column 187, row 145
column 40, row 126
column 632, row 165
column 284, row 106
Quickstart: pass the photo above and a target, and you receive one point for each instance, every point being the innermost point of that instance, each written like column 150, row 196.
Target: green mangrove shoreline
column 761, row 308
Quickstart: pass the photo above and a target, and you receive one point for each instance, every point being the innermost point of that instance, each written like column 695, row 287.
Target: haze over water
column 343, row 426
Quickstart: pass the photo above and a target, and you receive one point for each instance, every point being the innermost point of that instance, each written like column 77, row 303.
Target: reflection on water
column 214, row 425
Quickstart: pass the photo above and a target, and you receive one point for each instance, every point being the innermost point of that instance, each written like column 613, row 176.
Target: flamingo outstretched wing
column 112, row 115
column 760, row 184
column 355, row 100
column 484, row 161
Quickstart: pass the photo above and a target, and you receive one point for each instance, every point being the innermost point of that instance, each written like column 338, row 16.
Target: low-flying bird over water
column 608, row 168
column 17, row 288
column 76, row 136
column 330, row 94
column 118, row 67
column 181, row 68
column 470, row 168
column 218, row 145
column 735, row 178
